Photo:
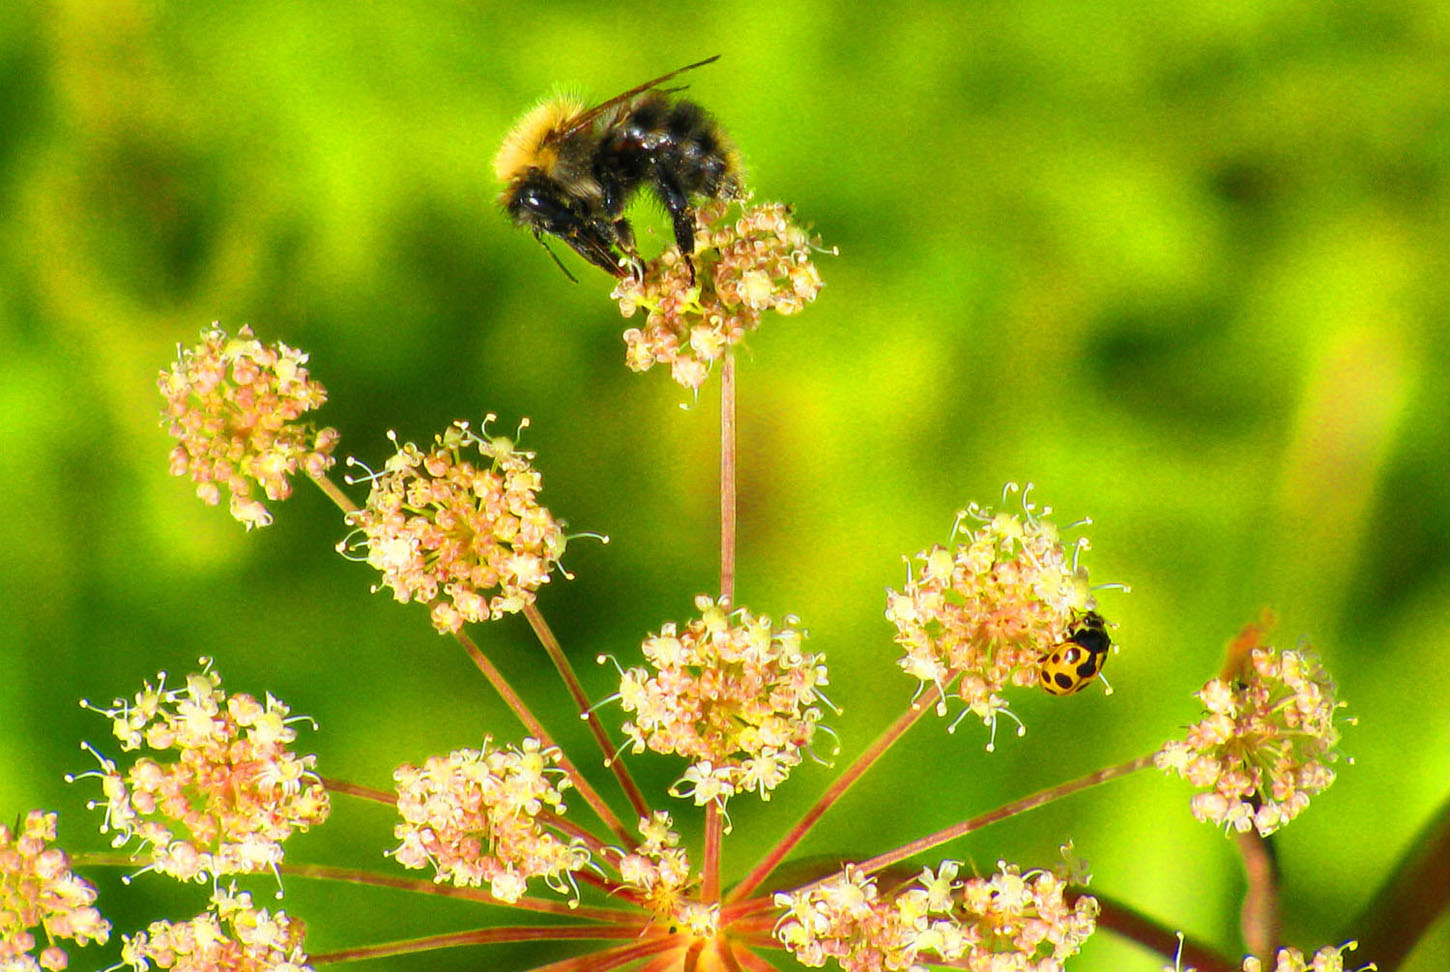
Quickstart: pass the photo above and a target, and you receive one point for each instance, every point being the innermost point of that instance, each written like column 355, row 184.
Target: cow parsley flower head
column 218, row 789
column 1265, row 743
column 235, row 406
column 465, row 535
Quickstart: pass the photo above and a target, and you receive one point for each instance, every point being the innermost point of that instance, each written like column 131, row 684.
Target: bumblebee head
column 540, row 204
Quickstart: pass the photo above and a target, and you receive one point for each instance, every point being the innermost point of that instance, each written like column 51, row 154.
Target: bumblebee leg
column 624, row 236
column 678, row 204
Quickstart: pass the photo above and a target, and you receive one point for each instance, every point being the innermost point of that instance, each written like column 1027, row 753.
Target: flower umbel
column 989, row 608
column 1327, row 959
column 480, row 815
column 37, row 888
column 1004, row 923
column 760, row 261
column 233, row 791
column 1024, row 921
column 472, row 537
column 732, row 693
column 657, row 871
column 233, row 404
column 231, row 935
column 1265, row 743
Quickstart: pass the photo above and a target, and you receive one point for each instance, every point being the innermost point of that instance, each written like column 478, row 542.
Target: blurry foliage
column 1184, row 266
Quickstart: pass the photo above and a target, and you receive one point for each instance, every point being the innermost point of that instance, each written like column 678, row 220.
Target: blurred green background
column 1184, row 266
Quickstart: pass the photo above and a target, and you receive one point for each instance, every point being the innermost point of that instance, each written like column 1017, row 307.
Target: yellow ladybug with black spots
column 1071, row 665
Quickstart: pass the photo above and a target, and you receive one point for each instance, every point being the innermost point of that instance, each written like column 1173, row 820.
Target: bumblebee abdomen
column 678, row 137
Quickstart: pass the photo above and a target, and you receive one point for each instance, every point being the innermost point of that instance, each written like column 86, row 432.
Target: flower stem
column 727, row 478
column 1259, row 914
column 481, row 936
column 1134, row 925
column 1407, row 904
column 350, row 875
column 576, row 691
column 1012, row 809
column 612, row 958
column 835, row 791
column 333, row 492
column 710, row 877
column 359, row 791
column 536, row 729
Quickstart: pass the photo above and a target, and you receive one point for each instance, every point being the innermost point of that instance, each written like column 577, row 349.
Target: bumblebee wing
column 587, row 118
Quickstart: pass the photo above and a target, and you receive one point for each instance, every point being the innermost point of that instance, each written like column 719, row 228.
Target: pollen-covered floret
column 760, row 261
column 1264, row 745
column 480, row 816
column 220, row 790
column 469, row 538
column 845, row 918
column 39, row 890
column 990, row 607
column 658, row 872
column 1008, row 922
column 231, row 935
column 1327, row 959
column 234, row 405
column 1023, row 921
column 733, row 693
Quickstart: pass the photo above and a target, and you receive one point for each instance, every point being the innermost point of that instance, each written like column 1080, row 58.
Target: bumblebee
column 569, row 172
column 1070, row 666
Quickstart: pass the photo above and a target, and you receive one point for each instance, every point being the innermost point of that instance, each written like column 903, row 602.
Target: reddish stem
column 1032, row 802
column 359, row 791
column 714, row 829
column 727, row 479
column 1411, row 900
column 1259, row 914
column 333, row 492
column 834, row 792
column 576, row 691
column 480, row 936
column 1134, row 925
column 512, row 698
column 536, row 729
column 612, row 958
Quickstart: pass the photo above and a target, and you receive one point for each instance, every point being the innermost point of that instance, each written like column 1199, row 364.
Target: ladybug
column 1070, row 666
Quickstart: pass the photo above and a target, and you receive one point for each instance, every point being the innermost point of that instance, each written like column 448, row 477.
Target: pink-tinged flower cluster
column 732, row 693
column 482, row 816
column 758, row 262
column 846, row 919
column 1264, row 745
column 38, row 889
column 1327, row 959
column 471, row 538
column 1025, row 922
column 658, row 872
column 220, row 790
column 1004, row 923
column 233, row 405
column 991, row 607
column 232, row 935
